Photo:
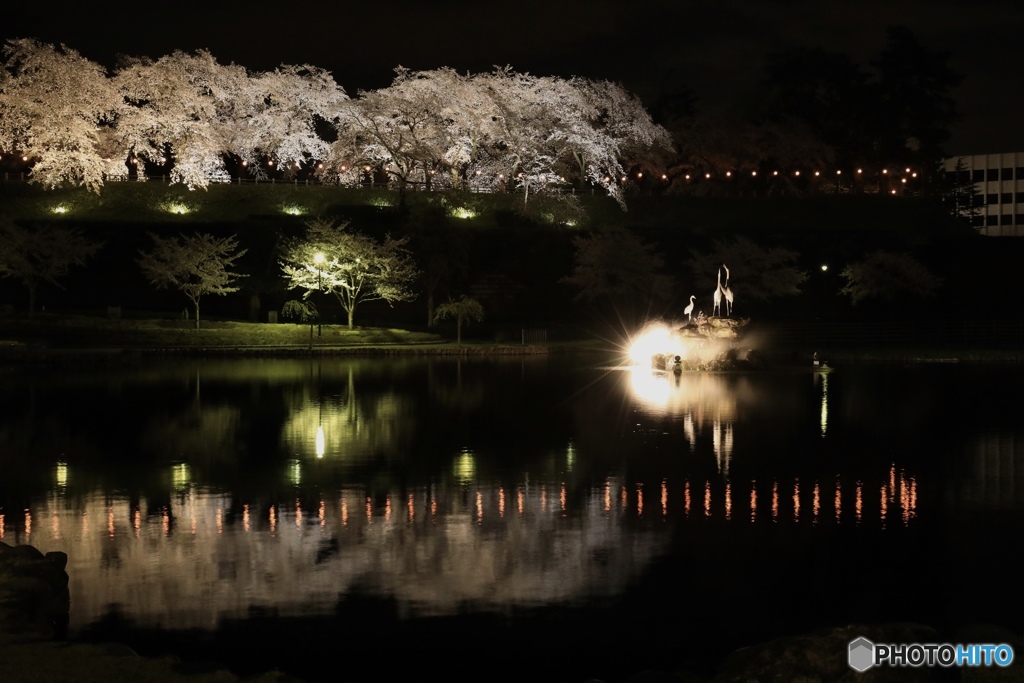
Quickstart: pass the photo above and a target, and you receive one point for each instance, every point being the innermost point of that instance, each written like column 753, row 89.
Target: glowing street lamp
column 319, row 258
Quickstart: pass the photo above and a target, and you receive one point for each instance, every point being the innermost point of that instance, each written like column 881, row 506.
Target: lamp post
column 319, row 258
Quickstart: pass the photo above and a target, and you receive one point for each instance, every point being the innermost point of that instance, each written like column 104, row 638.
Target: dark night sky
column 715, row 48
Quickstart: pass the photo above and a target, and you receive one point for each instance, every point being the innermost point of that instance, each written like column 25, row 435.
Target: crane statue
column 718, row 296
column 689, row 309
column 727, row 292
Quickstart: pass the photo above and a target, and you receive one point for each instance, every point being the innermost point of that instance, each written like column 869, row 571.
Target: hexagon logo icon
column 862, row 654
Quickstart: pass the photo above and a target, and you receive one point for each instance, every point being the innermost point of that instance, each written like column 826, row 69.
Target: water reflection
column 283, row 487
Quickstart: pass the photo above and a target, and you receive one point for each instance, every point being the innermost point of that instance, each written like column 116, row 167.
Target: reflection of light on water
column 433, row 566
column 690, row 431
column 753, row 500
column 858, row 505
column 570, row 457
column 464, row 468
column 824, row 402
column 817, row 502
column 883, row 506
column 650, row 387
column 320, row 446
column 775, row 501
column 181, row 476
column 61, row 475
column 839, row 499
column 722, row 445
column 796, row 500
column 2, row 529
column 294, row 472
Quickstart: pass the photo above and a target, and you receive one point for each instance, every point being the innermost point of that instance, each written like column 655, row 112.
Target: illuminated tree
column 463, row 310
column 353, row 267
column 55, row 108
column 41, row 255
column 196, row 265
column 199, row 111
column 180, row 105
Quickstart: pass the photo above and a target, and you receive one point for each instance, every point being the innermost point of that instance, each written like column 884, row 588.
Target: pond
column 547, row 518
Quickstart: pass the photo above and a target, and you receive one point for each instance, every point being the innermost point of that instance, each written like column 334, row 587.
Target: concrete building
column 998, row 179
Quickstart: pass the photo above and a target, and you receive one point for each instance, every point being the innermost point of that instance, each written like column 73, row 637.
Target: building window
column 1006, row 198
column 1006, row 219
column 1020, row 219
column 1020, row 173
column 992, row 198
column 977, row 221
column 1020, row 197
column 1007, row 174
column 979, row 175
column 992, row 174
column 991, row 220
column 979, row 199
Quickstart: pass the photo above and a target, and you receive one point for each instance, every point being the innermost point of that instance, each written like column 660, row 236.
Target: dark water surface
column 510, row 519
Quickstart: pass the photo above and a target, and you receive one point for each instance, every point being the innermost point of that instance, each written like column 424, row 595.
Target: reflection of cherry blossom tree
column 54, row 106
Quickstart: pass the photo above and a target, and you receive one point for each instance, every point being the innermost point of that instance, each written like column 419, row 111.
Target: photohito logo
column 863, row 654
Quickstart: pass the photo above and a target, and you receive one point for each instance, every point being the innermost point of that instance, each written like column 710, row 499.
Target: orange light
column 728, row 174
column 707, row 175
column 775, row 173
column 885, row 170
column 798, row 173
column 664, row 177
column 816, row 173
column 859, row 170
column 753, row 173
column 639, row 175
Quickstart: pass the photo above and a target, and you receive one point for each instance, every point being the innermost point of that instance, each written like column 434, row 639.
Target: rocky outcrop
column 34, row 597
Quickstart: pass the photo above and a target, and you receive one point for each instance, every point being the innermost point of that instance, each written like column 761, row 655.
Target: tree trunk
column 351, row 316
column 458, row 331
column 197, row 314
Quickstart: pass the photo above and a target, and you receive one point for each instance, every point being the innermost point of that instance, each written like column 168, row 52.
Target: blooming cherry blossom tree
column 54, row 107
